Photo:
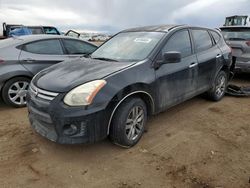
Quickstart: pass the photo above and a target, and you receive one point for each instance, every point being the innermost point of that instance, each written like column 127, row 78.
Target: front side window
column 78, row 47
column 49, row 47
column 179, row 42
column 202, row 40
column 129, row 46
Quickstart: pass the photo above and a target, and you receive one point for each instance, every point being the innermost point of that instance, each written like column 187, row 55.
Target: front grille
column 43, row 94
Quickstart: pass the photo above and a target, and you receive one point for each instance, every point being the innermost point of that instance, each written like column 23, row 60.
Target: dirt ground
column 198, row 144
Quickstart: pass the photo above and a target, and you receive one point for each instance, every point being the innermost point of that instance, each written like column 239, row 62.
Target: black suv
column 137, row 73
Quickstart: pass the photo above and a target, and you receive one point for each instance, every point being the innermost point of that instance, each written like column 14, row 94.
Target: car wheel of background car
column 15, row 90
column 129, row 122
column 219, row 88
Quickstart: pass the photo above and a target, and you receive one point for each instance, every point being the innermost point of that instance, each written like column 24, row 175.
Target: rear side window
column 216, row 36
column 78, row 47
column 180, row 42
column 202, row 40
column 49, row 47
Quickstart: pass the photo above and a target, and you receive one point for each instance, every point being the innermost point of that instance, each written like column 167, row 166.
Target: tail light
column 1, row 61
column 248, row 43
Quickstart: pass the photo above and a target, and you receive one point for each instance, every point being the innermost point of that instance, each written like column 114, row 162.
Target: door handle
column 194, row 64
column 29, row 60
column 218, row 55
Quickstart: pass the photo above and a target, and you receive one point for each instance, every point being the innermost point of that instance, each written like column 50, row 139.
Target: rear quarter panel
column 12, row 69
column 226, row 54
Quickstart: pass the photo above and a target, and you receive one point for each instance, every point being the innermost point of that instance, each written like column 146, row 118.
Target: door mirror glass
column 171, row 57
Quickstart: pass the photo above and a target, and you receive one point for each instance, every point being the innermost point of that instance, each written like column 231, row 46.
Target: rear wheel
column 219, row 87
column 129, row 122
column 15, row 90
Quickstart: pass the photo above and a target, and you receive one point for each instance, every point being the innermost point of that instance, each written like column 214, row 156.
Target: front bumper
column 66, row 125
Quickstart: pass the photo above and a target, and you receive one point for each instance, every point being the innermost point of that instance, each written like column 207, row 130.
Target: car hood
column 69, row 74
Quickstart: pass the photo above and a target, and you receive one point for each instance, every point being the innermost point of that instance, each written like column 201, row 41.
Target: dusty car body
column 137, row 73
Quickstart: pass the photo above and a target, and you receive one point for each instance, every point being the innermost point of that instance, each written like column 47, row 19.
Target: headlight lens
column 84, row 94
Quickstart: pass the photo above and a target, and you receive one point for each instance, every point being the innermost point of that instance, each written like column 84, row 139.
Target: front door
column 177, row 81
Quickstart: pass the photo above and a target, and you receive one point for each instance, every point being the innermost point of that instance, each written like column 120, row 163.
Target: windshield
column 236, row 34
column 129, row 46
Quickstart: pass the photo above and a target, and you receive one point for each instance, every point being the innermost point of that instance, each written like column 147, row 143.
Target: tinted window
column 202, row 40
column 215, row 35
column 179, row 42
column 35, row 30
column 50, row 30
column 78, row 47
column 51, row 47
column 236, row 33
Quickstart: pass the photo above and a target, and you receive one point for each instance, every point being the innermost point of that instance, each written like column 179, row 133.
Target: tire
column 219, row 87
column 14, row 91
column 125, row 128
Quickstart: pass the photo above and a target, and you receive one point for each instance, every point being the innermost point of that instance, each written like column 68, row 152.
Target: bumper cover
column 66, row 125
column 242, row 65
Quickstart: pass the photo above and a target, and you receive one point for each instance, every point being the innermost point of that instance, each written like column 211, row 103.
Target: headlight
column 84, row 94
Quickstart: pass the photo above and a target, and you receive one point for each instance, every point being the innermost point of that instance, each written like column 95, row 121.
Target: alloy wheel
column 221, row 86
column 134, row 122
column 17, row 92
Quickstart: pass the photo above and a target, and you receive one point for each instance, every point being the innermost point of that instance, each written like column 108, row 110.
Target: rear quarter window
column 202, row 40
column 216, row 36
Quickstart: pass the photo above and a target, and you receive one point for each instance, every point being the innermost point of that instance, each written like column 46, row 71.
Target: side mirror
column 171, row 57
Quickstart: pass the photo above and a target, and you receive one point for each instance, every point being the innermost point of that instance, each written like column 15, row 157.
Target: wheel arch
column 136, row 90
column 12, row 77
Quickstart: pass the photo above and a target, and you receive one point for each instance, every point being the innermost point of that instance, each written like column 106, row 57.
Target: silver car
column 238, row 38
column 22, row 57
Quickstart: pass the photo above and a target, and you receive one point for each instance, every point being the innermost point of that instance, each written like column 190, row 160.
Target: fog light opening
column 70, row 130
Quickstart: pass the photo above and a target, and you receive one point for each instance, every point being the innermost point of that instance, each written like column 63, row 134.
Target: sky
column 111, row 16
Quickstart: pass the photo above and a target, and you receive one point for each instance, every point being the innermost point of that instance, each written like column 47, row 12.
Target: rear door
column 41, row 54
column 177, row 81
column 75, row 48
column 207, row 54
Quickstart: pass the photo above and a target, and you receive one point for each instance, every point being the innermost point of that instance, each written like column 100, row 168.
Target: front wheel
column 15, row 90
column 128, row 124
column 219, row 87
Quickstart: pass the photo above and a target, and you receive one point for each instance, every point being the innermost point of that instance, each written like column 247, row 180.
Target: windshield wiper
column 104, row 59
column 87, row 55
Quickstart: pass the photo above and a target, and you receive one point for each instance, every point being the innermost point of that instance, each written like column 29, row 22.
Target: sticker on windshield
column 144, row 40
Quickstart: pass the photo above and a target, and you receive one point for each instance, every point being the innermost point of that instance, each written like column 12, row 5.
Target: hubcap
column 17, row 92
column 134, row 123
column 221, row 86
